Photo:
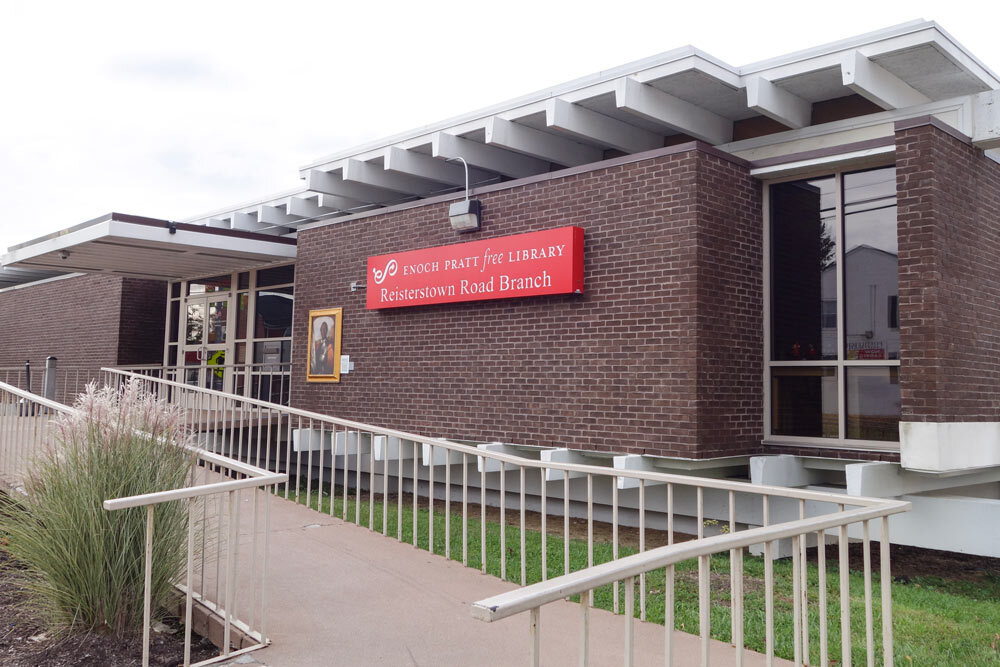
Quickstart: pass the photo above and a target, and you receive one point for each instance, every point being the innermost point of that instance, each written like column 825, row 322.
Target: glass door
column 206, row 341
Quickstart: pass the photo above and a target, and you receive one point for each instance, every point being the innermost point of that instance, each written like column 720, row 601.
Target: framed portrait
column 323, row 357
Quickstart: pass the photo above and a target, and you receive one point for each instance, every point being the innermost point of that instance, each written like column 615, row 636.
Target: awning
column 13, row 277
column 140, row 247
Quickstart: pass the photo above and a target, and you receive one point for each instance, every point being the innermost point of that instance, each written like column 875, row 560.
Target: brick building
column 789, row 273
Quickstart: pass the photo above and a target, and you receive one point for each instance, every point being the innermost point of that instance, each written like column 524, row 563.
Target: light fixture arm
column 466, row 165
column 465, row 215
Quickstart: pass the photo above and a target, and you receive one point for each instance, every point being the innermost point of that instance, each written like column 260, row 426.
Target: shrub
column 85, row 565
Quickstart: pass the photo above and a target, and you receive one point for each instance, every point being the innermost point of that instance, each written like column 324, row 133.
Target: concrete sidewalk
column 342, row 595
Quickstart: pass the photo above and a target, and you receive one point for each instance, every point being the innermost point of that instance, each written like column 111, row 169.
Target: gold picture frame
column 323, row 351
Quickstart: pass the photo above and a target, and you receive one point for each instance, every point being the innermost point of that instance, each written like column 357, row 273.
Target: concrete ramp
column 342, row 595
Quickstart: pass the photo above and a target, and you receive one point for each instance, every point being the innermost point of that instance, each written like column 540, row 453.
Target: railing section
column 321, row 453
column 64, row 384
column 268, row 381
column 226, row 578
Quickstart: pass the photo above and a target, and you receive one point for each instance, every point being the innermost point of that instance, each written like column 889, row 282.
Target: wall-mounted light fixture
column 465, row 215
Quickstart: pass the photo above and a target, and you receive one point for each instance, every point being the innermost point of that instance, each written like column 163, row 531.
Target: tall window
column 833, row 337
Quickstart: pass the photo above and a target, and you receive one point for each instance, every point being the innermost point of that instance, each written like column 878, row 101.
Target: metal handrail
column 230, row 422
column 524, row 599
column 18, row 443
column 684, row 480
column 180, row 367
column 35, row 398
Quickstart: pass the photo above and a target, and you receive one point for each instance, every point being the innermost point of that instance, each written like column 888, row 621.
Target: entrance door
column 206, row 341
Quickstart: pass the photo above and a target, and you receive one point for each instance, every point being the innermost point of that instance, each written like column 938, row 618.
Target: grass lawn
column 937, row 621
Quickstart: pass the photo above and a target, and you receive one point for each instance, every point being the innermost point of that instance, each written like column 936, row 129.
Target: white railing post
column 886, row 584
column 824, row 652
column 869, row 629
column 796, row 602
column 524, row 579
column 147, row 587
column 189, row 592
column 704, row 606
column 845, row 598
column 535, row 634
column 267, row 563
column 629, row 622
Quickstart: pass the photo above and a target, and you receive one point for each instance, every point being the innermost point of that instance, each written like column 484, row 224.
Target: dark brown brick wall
column 730, row 310
column 86, row 322
column 949, row 285
column 661, row 354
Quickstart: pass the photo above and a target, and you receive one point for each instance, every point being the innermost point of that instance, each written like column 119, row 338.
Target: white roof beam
column 217, row 223
column 777, row 103
column 677, row 114
column 328, row 183
column 273, row 215
column 867, row 79
column 986, row 120
column 598, row 128
column 307, row 208
column 514, row 165
column 364, row 172
column 247, row 222
column 335, row 202
column 542, row 145
column 403, row 161
column 699, row 62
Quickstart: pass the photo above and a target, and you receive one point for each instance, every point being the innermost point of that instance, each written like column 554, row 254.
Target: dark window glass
column 175, row 290
column 804, row 402
column 243, row 280
column 218, row 321
column 269, row 381
column 278, row 275
column 216, row 284
column 241, row 315
column 803, row 269
column 873, row 403
column 241, row 353
column 893, row 312
column 273, row 313
column 175, row 320
column 172, row 355
column 272, row 352
column 828, row 314
column 871, row 264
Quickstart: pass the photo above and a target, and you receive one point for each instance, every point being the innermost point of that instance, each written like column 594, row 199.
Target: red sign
column 532, row 264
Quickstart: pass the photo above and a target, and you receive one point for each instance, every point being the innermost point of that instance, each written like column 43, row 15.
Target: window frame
column 841, row 363
column 233, row 293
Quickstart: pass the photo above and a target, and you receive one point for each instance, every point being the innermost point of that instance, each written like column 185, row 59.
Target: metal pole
column 49, row 379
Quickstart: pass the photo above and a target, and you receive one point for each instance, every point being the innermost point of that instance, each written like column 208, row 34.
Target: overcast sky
column 174, row 109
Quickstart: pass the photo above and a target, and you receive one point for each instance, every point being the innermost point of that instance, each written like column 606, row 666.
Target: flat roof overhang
column 139, row 247
column 10, row 277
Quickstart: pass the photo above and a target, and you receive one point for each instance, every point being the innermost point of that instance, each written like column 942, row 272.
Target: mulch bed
column 25, row 642
column 906, row 562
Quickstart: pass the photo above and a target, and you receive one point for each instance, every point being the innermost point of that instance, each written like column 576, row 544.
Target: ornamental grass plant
column 83, row 565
